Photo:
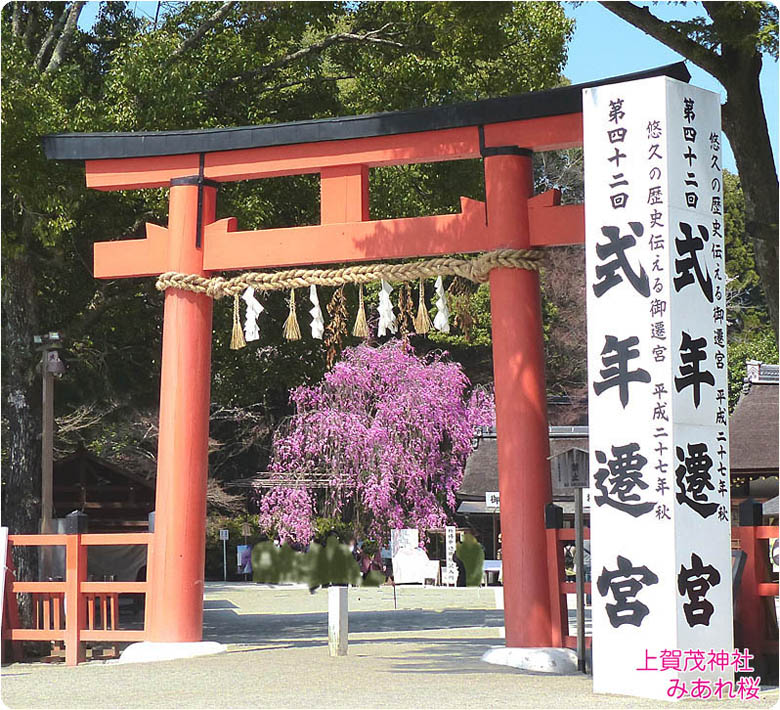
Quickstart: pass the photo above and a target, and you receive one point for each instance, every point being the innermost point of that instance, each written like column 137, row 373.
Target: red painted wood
column 355, row 241
column 521, row 410
column 765, row 532
column 344, row 194
column 117, row 539
column 137, row 173
column 571, row 587
column 113, row 635
column 557, row 226
column 35, row 635
column 175, row 599
column 133, row 257
column 39, row 587
column 538, row 134
column 35, row 540
column 555, row 571
column 114, row 587
column 752, row 620
column 75, row 607
column 569, row 534
column 352, row 241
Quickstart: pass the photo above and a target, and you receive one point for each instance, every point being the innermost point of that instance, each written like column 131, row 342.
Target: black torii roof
column 538, row 104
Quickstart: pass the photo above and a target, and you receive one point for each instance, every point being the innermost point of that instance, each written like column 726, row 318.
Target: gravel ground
column 420, row 651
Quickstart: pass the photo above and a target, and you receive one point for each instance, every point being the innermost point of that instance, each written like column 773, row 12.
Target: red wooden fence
column 756, row 623
column 75, row 611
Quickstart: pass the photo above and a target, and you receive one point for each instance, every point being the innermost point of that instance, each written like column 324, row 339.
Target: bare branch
column 54, row 30
column 643, row 19
column 201, row 30
column 83, row 417
column 58, row 55
column 369, row 37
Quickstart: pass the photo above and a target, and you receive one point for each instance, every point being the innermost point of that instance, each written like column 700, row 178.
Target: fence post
column 751, row 626
column 75, row 574
column 559, row 613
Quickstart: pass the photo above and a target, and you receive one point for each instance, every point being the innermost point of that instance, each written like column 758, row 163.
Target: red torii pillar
column 175, row 608
column 521, row 410
column 192, row 164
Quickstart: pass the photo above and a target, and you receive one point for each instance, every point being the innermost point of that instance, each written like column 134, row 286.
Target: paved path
column 423, row 654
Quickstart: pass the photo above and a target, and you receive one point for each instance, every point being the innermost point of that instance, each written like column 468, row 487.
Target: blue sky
column 603, row 45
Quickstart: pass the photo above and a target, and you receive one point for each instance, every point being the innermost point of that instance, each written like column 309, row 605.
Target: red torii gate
column 504, row 132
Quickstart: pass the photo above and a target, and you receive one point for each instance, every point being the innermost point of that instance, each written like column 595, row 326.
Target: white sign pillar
column 657, row 385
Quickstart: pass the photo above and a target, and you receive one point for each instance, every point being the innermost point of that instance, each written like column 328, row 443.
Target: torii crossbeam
column 504, row 132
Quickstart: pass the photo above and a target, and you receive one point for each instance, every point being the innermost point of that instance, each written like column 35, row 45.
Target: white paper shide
column 253, row 311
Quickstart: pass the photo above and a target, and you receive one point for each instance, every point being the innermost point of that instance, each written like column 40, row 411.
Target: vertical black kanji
column 619, row 481
column 695, row 582
column 687, row 249
column 625, row 583
column 615, row 250
column 692, row 354
column 694, row 479
column 616, row 372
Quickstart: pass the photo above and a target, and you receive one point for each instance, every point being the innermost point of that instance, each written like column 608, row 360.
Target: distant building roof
column 481, row 472
column 753, row 426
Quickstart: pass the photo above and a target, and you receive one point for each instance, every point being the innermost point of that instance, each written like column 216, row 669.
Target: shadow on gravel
column 211, row 604
column 226, row 626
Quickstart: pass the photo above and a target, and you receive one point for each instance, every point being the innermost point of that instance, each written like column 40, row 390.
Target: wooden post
column 559, row 629
column 338, row 620
column 579, row 571
column 175, row 604
column 521, row 408
column 47, row 447
column 75, row 606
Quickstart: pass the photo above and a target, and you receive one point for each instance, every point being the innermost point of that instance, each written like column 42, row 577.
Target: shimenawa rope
column 477, row 269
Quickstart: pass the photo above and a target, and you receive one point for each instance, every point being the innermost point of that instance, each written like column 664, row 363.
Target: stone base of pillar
column 148, row 651
column 557, row 661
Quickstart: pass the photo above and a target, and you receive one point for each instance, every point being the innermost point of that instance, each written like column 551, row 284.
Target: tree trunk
column 21, row 463
column 745, row 125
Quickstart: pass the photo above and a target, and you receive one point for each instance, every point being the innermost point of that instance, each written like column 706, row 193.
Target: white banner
column 660, row 528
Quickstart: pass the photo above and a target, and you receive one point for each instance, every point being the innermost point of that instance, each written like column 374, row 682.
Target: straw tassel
column 361, row 324
column 237, row 338
column 422, row 323
column 292, row 330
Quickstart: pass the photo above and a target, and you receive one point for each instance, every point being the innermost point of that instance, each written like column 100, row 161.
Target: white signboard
column 492, row 501
column 657, row 385
column 405, row 537
column 224, row 534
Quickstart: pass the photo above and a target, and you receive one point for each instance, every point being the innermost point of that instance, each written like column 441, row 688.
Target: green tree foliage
column 745, row 300
column 761, row 347
column 201, row 65
column 750, row 337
